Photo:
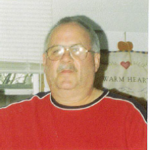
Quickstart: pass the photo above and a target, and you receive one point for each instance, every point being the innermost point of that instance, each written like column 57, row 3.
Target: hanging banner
column 126, row 72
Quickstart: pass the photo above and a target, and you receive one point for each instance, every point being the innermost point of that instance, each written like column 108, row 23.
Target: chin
column 67, row 86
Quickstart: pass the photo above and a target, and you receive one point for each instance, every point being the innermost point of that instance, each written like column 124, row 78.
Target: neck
column 76, row 97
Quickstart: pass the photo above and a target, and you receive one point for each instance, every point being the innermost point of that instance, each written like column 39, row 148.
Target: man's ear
column 97, row 61
column 44, row 59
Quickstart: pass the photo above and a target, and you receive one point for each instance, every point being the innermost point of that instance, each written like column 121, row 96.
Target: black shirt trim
column 54, row 102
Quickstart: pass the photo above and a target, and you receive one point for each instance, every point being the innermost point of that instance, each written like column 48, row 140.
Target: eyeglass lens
column 77, row 52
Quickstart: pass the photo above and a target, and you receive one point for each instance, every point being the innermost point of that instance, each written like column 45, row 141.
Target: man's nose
column 66, row 57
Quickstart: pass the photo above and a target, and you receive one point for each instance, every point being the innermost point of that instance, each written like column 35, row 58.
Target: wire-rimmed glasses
column 76, row 51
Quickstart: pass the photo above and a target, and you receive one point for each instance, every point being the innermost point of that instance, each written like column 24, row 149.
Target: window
column 23, row 28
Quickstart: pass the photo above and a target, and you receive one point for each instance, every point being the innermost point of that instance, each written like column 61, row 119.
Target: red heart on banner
column 126, row 65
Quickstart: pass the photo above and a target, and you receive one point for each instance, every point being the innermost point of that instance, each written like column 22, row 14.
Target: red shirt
column 108, row 123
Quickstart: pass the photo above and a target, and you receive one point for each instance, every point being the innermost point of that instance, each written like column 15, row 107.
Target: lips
column 66, row 71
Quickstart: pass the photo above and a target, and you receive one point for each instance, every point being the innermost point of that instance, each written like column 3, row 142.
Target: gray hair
column 93, row 36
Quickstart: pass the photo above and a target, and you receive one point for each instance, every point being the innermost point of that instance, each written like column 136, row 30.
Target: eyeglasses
column 76, row 51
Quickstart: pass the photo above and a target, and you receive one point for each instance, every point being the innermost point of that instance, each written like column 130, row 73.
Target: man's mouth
column 67, row 71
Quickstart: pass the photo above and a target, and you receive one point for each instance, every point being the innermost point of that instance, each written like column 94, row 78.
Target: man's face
column 69, row 73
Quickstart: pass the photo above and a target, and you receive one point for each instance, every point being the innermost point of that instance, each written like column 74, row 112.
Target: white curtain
column 23, row 28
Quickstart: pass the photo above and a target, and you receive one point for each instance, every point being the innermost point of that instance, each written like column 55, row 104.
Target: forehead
column 69, row 33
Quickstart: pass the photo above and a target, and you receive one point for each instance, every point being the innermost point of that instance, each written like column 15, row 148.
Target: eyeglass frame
column 65, row 48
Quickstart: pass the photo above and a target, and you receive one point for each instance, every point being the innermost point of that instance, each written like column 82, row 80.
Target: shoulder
column 25, row 104
column 126, row 104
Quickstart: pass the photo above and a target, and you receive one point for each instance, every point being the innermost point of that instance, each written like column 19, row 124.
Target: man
column 74, row 115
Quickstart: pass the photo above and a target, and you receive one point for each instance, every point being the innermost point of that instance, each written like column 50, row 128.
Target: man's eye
column 75, row 49
column 56, row 51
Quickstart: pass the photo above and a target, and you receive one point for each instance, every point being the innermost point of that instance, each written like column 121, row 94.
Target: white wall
column 115, row 17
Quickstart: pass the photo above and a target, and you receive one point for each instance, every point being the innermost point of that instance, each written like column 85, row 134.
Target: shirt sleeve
column 136, row 130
